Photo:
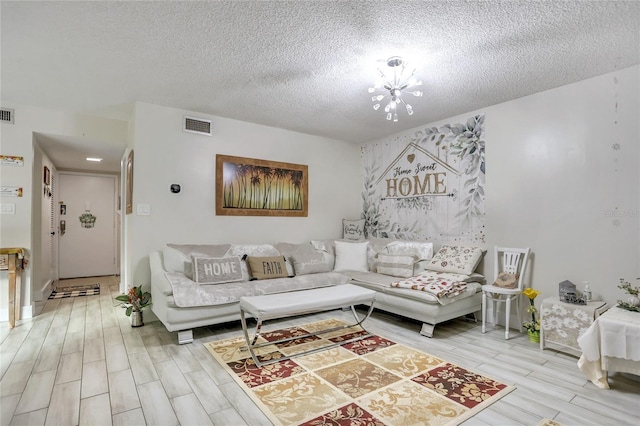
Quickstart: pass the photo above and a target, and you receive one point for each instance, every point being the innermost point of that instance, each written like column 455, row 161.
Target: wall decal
column 251, row 187
column 427, row 186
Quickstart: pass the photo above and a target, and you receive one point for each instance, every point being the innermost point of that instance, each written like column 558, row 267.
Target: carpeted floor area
column 75, row 291
column 374, row 381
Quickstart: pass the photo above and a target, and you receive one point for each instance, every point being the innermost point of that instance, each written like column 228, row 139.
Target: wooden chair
column 512, row 261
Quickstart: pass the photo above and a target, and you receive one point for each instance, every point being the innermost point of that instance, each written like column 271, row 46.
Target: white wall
column 17, row 139
column 164, row 154
column 554, row 181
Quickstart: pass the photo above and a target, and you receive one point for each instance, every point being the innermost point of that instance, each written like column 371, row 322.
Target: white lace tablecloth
column 611, row 343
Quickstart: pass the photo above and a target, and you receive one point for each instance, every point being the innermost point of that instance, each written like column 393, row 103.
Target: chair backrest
column 512, row 261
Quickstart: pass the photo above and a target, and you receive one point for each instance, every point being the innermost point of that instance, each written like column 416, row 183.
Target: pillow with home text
column 216, row 270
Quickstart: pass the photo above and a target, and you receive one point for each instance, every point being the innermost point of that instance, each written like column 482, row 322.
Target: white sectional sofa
column 183, row 304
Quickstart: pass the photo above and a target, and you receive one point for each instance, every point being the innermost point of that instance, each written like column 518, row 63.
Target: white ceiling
column 305, row 65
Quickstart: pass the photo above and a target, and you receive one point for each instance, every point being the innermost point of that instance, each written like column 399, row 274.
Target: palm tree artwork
column 260, row 187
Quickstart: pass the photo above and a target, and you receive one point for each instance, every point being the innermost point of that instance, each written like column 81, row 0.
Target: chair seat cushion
column 500, row 290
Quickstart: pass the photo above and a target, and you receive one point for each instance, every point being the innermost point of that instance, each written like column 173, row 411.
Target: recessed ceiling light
column 97, row 160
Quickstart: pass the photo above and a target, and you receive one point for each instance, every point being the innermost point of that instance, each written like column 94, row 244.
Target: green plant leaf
column 128, row 312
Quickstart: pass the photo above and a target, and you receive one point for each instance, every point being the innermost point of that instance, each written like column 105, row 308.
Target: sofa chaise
column 201, row 285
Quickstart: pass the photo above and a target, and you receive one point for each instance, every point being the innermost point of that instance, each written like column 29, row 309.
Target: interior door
column 86, row 248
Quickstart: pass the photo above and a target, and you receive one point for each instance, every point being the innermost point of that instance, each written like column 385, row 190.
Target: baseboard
column 44, row 292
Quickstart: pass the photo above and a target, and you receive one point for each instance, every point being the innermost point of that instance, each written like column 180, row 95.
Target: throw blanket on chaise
column 440, row 284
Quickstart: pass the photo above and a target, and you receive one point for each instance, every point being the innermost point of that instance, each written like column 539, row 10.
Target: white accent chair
column 512, row 261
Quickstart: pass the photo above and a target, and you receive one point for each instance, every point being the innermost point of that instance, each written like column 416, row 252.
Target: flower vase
column 136, row 319
column 534, row 336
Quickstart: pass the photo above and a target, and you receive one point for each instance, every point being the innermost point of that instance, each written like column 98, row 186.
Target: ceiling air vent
column 7, row 115
column 197, row 125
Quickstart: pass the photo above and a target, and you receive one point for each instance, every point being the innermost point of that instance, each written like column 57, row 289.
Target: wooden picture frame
column 253, row 187
column 47, row 176
column 128, row 200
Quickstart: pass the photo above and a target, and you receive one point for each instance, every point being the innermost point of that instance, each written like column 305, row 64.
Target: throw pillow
column 422, row 250
column 351, row 256
column 353, row 229
column 216, row 270
column 506, row 280
column 456, row 259
column 395, row 265
column 264, row 268
column 245, row 250
column 311, row 263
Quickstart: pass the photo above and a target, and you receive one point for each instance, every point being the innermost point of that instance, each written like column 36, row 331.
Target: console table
column 612, row 343
column 562, row 323
column 12, row 260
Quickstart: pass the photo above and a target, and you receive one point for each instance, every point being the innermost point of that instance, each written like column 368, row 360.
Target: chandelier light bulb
column 392, row 83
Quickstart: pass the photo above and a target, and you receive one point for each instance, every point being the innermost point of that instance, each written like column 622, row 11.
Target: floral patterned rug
column 373, row 381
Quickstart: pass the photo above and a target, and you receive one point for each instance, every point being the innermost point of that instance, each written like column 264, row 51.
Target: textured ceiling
column 305, row 65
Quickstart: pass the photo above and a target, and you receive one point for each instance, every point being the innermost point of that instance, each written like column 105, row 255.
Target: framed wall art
column 252, row 187
column 47, row 176
column 128, row 201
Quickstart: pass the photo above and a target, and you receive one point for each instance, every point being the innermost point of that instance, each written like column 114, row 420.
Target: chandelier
column 393, row 86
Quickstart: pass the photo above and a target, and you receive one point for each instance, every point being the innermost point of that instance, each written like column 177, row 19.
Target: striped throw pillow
column 395, row 265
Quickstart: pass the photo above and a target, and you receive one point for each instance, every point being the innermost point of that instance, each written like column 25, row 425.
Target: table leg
column 18, row 297
column 12, row 290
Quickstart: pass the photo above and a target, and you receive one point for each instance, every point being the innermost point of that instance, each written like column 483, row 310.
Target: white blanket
column 440, row 284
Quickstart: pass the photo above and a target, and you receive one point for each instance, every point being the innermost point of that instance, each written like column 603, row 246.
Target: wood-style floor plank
column 79, row 361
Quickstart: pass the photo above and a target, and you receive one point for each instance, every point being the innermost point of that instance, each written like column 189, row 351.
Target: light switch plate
column 8, row 208
column 143, row 209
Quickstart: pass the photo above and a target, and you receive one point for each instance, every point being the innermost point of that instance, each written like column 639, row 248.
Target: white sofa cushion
column 351, row 256
column 177, row 257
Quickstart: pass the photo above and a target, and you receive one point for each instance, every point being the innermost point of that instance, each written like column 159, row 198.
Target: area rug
column 75, row 291
column 373, row 381
column 549, row 422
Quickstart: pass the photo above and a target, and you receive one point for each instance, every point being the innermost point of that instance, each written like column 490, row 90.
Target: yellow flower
column 531, row 293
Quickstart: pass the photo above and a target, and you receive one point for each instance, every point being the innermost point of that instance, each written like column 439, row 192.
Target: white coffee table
column 281, row 305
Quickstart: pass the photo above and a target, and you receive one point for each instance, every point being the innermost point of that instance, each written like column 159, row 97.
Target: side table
column 562, row 323
column 13, row 260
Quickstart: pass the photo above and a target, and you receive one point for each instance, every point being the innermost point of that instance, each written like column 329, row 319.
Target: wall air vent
column 7, row 115
column 197, row 125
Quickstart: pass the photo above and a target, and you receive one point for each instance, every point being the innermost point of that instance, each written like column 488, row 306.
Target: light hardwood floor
column 80, row 362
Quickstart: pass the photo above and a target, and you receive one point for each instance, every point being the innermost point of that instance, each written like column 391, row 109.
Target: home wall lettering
column 427, row 186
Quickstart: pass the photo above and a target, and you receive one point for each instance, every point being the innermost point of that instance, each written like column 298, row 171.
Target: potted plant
column 633, row 300
column 135, row 300
column 533, row 326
